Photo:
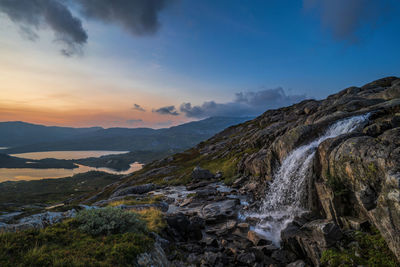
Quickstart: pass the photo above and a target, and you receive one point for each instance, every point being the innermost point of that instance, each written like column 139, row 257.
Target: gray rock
column 138, row 189
column 38, row 221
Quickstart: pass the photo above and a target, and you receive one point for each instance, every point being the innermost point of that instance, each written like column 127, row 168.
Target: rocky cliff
column 352, row 188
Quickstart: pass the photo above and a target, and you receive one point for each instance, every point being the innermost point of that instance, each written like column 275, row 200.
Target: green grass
column 136, row 201
column 65, row 245
column 103, row 237
column 372, row 250
column 226, row 165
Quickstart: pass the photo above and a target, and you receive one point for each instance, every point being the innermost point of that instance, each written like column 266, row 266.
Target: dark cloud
column 244, row 104
column 134, row 121
column 31, row 15
column 139, row 17
column 345, row 17
column 138, row 107
column 169, row 110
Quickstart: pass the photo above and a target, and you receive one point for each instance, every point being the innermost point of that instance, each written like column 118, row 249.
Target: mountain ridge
column 177, row 137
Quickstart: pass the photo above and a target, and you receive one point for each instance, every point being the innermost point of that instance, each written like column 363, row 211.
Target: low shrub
column 109, row 220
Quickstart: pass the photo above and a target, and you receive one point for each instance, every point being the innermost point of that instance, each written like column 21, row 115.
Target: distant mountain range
column 22, row 137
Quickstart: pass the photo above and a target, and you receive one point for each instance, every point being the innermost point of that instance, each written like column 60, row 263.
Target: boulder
column 220, row 210
column 199, row 173
column 181, row 228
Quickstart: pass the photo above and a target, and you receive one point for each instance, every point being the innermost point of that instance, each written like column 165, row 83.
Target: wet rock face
column 362, row 172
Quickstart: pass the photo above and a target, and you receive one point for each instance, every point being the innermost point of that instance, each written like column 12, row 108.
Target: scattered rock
column 283, row 256
column 246, row 258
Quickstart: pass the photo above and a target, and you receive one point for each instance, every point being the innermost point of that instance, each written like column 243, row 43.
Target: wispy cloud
column 138, row 107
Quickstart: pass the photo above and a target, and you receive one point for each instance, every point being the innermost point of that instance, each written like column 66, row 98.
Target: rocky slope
column 353, row 185
column 213, row 194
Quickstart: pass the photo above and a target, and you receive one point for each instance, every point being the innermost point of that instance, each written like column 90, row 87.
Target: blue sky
column 202, row 53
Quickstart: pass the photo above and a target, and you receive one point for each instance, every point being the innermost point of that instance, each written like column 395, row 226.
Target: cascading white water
column 286, row 196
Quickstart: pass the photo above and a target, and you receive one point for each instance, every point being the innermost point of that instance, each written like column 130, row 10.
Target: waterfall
column 286, row 196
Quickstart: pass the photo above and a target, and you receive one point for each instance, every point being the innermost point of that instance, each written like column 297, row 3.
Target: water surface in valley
column 17, row 174
column 11, row 174
column 67, row 154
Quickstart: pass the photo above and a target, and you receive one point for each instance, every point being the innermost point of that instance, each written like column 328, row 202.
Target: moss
column 64, row 244
column 337, row 186
column 372, row 170
column 370, row 251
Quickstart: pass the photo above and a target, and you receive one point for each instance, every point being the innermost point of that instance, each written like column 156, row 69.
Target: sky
column 158, row 63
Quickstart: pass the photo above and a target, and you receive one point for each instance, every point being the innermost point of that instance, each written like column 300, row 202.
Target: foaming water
column 286, row 196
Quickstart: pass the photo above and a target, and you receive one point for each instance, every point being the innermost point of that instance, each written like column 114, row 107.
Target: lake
column 67, row 154
column 17, row 174
column 9, row 174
